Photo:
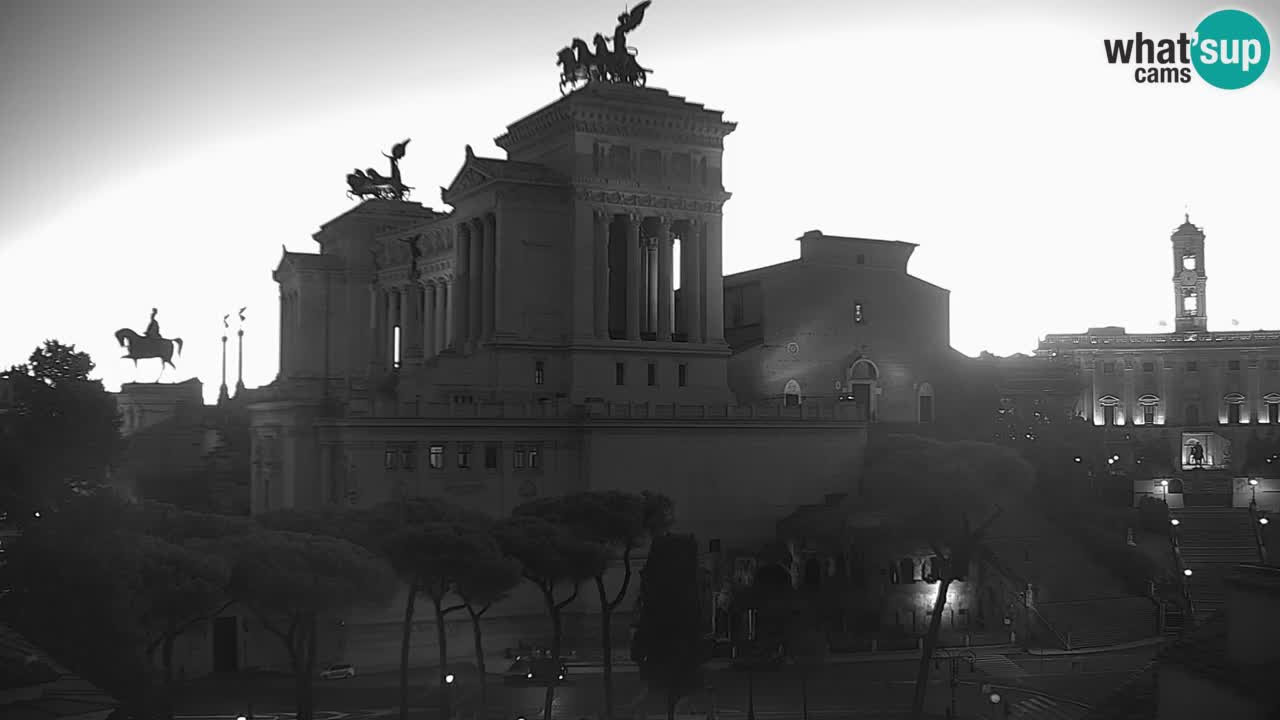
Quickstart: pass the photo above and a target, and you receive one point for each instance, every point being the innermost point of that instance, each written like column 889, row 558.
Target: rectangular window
column 1148, row 367
column 1273, row 413
column 1233, row 364
column 653, row 374
column 620, row 373
column 464, row 456
column 1191, row 366
column 857, row 313
column 682, row 375
column 862, row 259
column 535, row 458
column 518, row 458
column 1273, row 364
column 539, row 373
column 408, row 459
column 435, row 457
column 389, row 459
column 1233, row 414
column 1109, row 367
column 926, row 408
column 1148, row 414
column 1109, row 415
column 491, row 457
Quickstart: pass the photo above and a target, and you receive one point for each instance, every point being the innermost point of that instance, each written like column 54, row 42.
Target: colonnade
column 446, row 311
column 637, row 253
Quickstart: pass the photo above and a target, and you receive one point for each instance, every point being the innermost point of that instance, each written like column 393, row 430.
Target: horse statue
column 580, row 64
column 372, row 184
column 150, row 345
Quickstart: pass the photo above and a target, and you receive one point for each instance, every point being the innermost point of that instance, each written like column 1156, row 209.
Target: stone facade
column 845, row 322
column 1219, row 390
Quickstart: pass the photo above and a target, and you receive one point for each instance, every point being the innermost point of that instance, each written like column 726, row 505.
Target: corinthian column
column 459, row 288
column 493, row 292
column 665, row 287
column 449, row 308
column 393, row 320
column 411, row 323
column 475, row 285
column 690, row 282
column 714, row 280
column 633, row 276
column 600, row 244
column 429, row 342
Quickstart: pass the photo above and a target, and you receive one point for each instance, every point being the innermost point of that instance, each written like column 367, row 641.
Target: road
column 1046, row 688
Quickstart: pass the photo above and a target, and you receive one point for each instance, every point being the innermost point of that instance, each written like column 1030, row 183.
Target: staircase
column 1211, row 540
column 1207, row 488
column 1102, row 622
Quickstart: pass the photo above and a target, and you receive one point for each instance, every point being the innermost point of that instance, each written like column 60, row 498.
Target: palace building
column 1208, row 394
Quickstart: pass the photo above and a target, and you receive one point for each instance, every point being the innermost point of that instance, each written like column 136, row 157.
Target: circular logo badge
column 1232, row 49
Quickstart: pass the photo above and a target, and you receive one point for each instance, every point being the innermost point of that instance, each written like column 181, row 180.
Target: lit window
column 435, row 457
column 857, row 313
column 539, row 372
column 464, row 456
column 1190, row 302
column 1188, row 262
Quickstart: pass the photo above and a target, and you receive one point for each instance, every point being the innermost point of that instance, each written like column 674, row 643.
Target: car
column 536, row 671
column 340, row 671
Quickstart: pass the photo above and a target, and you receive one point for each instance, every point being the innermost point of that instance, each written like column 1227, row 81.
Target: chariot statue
column 150, row 344
column 372, row 184
column 581, row 63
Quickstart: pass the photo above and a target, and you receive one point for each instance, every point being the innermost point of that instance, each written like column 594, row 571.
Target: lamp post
column 1164, row 491
column 1253, row 488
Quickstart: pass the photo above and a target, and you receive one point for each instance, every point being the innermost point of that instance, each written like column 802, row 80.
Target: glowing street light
column 1187, row 572
column 448, row 679
column 1175, row 522
column 1263, row 521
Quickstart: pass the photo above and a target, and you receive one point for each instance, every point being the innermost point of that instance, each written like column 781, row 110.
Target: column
column 459, row 288
column 600, row 240
column 284, row 337
column 690, row 298
column 393, row 319
column 449, row 309
column 493, row 293
column 633, row 276
column 713, row 281
column 411, row 323
column 486, row 280
column 375, row 325
column 430, row 343
column 665, row 270
column 476, row 284
column 646, row 297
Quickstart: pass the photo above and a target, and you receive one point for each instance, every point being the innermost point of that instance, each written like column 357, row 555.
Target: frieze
column 596, row 127
column 645, row 200
column 1270, row 338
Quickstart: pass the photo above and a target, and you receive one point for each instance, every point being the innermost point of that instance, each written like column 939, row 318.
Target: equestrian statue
column 581, row 64
column 149, row 344
column 372, row 184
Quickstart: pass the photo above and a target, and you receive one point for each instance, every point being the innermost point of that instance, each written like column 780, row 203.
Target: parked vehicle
column 340, row 671
column 536, row 671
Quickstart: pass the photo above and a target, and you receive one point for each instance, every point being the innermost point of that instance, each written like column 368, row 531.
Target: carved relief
column 649, row 201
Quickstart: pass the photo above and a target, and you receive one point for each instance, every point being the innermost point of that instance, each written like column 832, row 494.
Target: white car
column 338, row 672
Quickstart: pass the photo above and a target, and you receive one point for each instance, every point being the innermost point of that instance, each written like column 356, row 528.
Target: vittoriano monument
column 579, row 65
column 370, row 184
column 149, row 344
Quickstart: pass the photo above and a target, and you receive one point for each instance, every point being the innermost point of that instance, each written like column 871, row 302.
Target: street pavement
column 1045, row 688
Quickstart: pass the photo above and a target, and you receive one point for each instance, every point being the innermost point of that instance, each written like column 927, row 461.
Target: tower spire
column 1189, row 279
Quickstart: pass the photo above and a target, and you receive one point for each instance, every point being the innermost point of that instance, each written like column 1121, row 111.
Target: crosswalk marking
column 1043, row 709
column 999, row 666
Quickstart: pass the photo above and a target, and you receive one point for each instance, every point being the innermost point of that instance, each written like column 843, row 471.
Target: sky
column 160, row 154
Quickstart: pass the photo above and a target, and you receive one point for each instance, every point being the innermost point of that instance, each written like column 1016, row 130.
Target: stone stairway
column 1207, row 488
column 1211, row 540
column 1102, row 622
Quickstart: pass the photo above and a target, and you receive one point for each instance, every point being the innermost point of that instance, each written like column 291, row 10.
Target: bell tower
column 1189, row 279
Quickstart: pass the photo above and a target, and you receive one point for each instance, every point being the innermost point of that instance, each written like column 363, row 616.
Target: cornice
column 650, row 200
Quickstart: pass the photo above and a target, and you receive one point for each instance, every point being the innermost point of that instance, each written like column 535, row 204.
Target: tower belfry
column 1189, row 278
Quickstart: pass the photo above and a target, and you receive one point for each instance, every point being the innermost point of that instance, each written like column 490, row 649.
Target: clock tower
column 1189, row 279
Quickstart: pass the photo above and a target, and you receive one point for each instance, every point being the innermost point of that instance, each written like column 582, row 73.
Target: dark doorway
column 226, row 655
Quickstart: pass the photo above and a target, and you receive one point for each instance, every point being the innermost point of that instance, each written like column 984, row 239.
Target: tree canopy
column 64, row 435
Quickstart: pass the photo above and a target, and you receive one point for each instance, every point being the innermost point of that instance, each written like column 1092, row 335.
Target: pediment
column 468, row 178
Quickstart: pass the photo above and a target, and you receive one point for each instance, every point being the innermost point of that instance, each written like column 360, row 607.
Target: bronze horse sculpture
column 141, row 347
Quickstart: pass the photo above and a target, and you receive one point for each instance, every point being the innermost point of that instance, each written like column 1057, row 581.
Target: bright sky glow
column 159, row 153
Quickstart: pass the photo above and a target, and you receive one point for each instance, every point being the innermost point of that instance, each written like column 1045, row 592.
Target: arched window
column 1273, row 407
column 1109, row 404
column 791, row 394
column 1147, row 405
column 864, row 369
column 1234, row 401
column 924, row 403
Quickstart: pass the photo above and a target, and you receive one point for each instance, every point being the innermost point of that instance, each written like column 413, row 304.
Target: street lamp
column 1187, row 572
column 1164, row 490
column 1175, row 522
column 1253, row 487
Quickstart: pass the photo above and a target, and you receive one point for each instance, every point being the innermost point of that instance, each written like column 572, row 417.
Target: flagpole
column 222, row 390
